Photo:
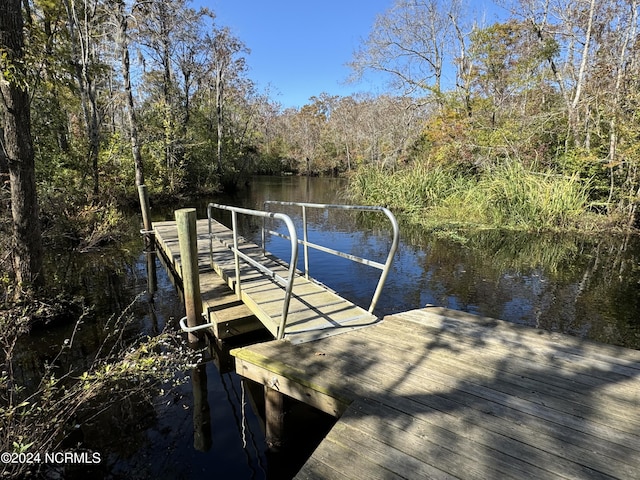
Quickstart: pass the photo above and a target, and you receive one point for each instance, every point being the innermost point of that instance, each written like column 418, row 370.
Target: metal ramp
column 287, row 301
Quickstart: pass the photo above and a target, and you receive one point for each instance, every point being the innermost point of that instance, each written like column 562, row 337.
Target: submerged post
column 187, row 233
column 202, row 440
column 147, row 231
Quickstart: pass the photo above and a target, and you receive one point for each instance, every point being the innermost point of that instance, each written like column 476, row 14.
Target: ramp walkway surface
column 315, row 311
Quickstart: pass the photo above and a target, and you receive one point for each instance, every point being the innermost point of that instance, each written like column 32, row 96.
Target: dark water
column 208, row 426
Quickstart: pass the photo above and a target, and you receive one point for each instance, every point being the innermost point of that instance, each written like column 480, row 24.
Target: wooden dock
column 315, row 310
column 436, row 393
column 429, row 393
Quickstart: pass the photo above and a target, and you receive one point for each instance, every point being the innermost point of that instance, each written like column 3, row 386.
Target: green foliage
column 10, row 71
column 117, row 169
column 445, row 141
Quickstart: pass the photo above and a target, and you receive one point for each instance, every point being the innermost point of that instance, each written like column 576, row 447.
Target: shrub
column 37, row 420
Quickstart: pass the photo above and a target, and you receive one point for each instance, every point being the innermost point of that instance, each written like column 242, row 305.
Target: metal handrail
column 287, row 283
column 385, row 267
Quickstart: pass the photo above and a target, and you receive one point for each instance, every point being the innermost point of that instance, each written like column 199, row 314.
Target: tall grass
column 407, row 190
column 506, row 196
column 518, row 198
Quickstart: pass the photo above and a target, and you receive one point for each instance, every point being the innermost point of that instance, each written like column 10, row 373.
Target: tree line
column 547, row 90
column 551, row 86
column 114, row 93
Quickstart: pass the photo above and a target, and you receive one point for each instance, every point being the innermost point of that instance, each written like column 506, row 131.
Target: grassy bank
column 506, row 196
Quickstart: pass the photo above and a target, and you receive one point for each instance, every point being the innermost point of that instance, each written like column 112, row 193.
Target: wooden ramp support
column 228, row 316
column 436, row 393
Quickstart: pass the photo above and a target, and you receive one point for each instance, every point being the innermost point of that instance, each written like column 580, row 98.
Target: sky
column 299, row 48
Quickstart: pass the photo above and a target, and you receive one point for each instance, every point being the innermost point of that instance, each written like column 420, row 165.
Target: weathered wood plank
column 545, row 420
column 517, row 380
column 536, row 359
column 491, row 399
column 507, row 451
column 360, row 434
column 315, row 311
column 316, row 469
column 345, row 460
column 453, row 454
column 462, row 320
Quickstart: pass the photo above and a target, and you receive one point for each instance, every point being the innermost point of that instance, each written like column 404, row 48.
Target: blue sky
column 299, row 48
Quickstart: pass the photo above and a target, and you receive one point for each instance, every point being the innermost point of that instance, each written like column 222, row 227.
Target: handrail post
column 234, row 225
column 387, row 265
column 264, row 237
column 210, row 236
column 292, row 273
column 305, row 239
column 187, row 237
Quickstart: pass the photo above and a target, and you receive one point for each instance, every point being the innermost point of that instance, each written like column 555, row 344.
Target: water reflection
column 580, row 285
column 584, row 286
column 152, row 278
column 201, row 413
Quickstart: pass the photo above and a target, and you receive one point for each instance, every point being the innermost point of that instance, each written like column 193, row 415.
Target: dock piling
column 274, row 418
column 187, row 237
column 147, row 231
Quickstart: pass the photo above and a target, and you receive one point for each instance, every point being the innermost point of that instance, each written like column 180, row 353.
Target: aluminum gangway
column 285, row 299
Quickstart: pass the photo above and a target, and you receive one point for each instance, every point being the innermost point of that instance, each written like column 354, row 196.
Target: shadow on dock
column 441, row 393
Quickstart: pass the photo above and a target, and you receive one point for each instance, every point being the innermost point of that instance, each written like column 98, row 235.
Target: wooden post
column 149, row 237
column 152, row 277
column 202, row 439
column 187, row 237
column 274, row 418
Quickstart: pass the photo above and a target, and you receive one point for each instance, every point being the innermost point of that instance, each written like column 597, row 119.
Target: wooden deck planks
column 468, row 397
column 315, row 311
column 433, row 393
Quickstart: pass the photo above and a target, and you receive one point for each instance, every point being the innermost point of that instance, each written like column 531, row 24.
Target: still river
column 584, row 286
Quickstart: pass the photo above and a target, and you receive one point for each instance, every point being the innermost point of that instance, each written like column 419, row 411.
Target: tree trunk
column 219, row 115
column 27, row 240
column 4, row 164
column 126, row 75
column 80, row 41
